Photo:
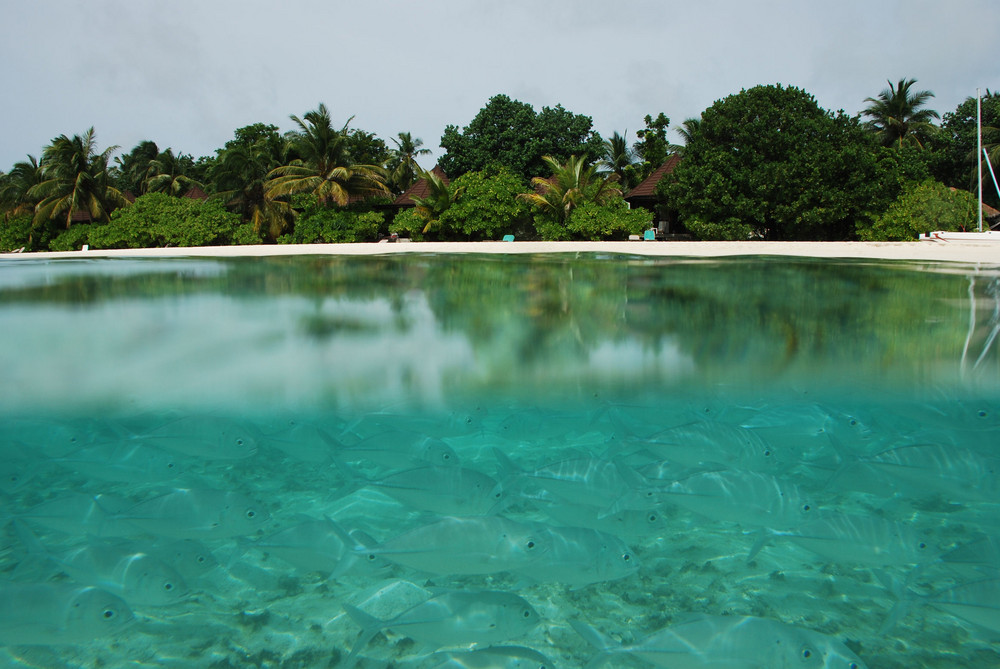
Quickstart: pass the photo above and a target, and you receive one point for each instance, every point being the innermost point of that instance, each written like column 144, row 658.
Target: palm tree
column 15, row 185
column 571, row 184
column 132, row 169
column 167, row 173
column 239, row 177
column 689, row 128
column 76, row 181
column 897, row 117
column 440, row 196
column 323, row 166
column 619, row 158
column 403, row 167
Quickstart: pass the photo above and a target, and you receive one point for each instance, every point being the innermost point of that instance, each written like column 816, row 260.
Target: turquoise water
column 253, row 461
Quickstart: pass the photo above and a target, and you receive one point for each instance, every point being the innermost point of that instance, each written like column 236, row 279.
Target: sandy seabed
column 933, row 251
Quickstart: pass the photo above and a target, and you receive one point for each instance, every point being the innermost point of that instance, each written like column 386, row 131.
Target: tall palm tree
column 323, row 166
column 132, row 169
column 897, row 117
column 76, row 181
column 689, row 128
column 402, row 166
column 619, row 158
column 571, row 184
column 167, row 173
column 15, row 185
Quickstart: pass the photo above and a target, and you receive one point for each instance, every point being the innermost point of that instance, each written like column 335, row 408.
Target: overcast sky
column 187, row 73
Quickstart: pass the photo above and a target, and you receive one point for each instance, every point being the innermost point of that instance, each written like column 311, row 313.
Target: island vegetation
column 765, row 163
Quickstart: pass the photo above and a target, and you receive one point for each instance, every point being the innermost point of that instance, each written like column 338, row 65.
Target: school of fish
column 704, row 532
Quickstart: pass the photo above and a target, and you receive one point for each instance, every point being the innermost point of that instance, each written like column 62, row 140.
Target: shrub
column 595, row 222
column 923, row 207
column 157, row 220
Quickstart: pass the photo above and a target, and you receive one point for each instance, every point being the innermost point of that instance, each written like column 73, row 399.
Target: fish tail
column 603, row 643
column 370, row 626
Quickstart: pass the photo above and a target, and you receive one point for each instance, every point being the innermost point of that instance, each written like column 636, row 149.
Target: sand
column 932, row 251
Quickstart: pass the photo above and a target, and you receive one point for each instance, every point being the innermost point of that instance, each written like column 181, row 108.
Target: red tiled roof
column 420, row 189
column 647, row 189
column 195, row 193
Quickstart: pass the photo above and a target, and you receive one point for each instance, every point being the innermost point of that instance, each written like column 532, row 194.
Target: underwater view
column 488, row 462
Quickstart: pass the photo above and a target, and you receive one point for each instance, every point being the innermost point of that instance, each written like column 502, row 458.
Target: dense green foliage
column 923, row 207
column 157, row 219
column 508, row 133
column 766, row 163
column 769, row 163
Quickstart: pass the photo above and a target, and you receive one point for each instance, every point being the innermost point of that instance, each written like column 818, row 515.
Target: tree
column 131, row 170
column 76, row 181
column 653, row 146
column 440, row 196
column 487, row 206
column 323, row 164
column 238, row 176
column 572, row 183
column 158, row 220
column 769, row 163
column 510, row 134
column 16, row 184
column 923, row 207
column 620, row 159
column 687, row 131
column 169, row 174
column 896, row 115
column 402, row 164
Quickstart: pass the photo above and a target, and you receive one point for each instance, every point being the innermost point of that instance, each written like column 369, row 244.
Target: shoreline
column 934, row 251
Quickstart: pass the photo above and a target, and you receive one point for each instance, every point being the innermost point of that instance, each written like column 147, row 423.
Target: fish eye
column 854, row 665
column 767, row 453
column 250, row 514
column 651, row 518
column 982, row 413
column 854, row 422
column 170, row 465
column 109, row 614
column 371, row 557
column 200, row 559
column 922, row 545
column 527, row 613
column 806, row 507
column 626, row 557
column 168, row 586
column 806, row 653
column 239, row 442
column 531, row 544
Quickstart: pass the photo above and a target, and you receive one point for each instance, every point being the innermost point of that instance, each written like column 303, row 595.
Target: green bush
column 15, row 234
column 729, row 231
column 596, row 222
column 329, row 225
column 923, row 207
column 72, row 239
column 408, row 223
column 159, row 220
column 488, row 207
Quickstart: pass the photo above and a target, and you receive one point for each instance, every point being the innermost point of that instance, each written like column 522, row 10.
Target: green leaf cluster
column 15, row 233
column 330, row 225
column 923, row 207
column 488, row 207
column 159, row 220
column 510, row 134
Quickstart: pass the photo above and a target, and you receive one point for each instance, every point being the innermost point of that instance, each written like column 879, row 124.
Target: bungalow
column 644, row 195
column 418, row 189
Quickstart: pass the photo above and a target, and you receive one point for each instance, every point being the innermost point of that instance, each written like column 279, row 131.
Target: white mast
column 979, row 154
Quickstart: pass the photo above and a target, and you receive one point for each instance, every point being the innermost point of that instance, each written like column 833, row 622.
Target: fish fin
column 355, row 481
column 603, row 643
column 764, row 537
column 370, row 626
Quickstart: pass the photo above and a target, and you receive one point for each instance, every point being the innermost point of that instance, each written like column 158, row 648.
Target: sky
column 187, row 73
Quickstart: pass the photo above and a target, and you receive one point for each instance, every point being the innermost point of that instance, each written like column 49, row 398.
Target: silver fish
column 578, row 556
column 449, row 491
column 59, row 613
column 80, row 513
column 457, row 617
column 977, row 602
column 463, row 545
column 312, row 545
column 205, row 437
column 400, row 449
column 727, row 642
column 200, row 513
column 494, row 657
column 136, row 462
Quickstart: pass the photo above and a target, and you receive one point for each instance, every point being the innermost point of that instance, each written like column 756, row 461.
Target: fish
column 455, row 545
column 726, row 642
column 59, row 613
column 579, row 556
column 115, row 566
column 750, row 499
column 448, row 491
column 77, row 513
column 313, row 545
column 627, row 523
column 196, row 513
column 452, row 618
column 494, row 657
column 135, row 462
column 977, row 602
column 400, row 449
column 201, row 436
column 857, row 539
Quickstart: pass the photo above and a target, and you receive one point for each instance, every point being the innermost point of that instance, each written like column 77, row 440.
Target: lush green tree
column 923, row 207
column 15, row 233
column 402, row 164
column 157, row 220
column 16, row 184
column 239, row 173
column 131, row 170
column 572, row 184
column 487, row 206
column 957, row 145
column 653, row 146
column 898, row 115
column 324, row 165
column 620, row 159
column 510, row 134
column 769, row 163
column 75, row 180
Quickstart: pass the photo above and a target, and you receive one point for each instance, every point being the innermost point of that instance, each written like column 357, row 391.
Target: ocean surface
column 435, row 461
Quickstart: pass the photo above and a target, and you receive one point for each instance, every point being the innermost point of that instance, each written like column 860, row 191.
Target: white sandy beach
column 932, row 251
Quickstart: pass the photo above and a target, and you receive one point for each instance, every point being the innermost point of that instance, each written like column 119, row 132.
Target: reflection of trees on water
column 518, row 312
